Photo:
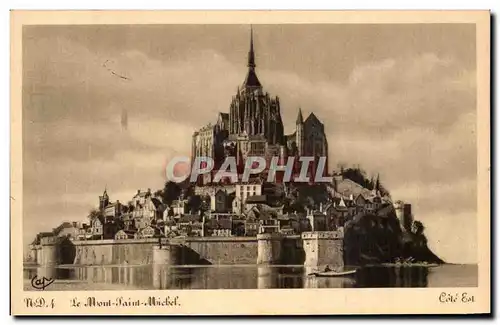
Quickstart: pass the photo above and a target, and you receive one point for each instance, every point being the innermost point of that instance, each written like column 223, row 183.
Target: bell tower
column 103, row 200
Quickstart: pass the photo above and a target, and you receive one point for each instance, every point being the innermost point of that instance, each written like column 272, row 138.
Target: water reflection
column 250, row 277
column 376, row 277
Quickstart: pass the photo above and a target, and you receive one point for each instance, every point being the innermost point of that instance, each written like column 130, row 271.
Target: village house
column 254, row 201
column 68, row 230
column 148, row 232
column 251, row 227
column 318, row 220
column 128, row 222
column 170, row 226
column 103, row 223
column 285, row 224
column 268, row 223
column 103, row 228
column 146, row 209
column 242, row 193
column 190, row 225
column 220, row 216
column 180, row 206
column 84, row 232
column 113, row 210
column 293, row 223
column 221, row 201
column 268, row 226
column 124, row 234
column 220, row 228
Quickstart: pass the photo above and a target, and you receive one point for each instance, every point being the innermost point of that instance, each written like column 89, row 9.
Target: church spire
column 251, row 54
column 300, row 119
column 251, row 80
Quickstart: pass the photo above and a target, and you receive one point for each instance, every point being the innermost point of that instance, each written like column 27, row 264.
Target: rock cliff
column 375, row 239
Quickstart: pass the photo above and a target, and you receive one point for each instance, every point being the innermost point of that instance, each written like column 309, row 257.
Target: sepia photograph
column 159, row 156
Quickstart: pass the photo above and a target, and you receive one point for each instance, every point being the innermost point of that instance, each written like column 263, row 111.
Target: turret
column 299, row 135
column 404, row 215
column 103, row 200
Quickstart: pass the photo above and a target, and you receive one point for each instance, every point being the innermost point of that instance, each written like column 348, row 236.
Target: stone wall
column 130, row 251
column 219, row 250
column 292, row 250
column 287, row 250
column 323, row 248
column 207, row 250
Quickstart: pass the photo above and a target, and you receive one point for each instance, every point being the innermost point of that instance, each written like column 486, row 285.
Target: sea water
column 142, row 277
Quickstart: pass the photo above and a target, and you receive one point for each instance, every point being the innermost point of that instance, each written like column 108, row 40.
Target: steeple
column 251, row 54
column 104, row 199
column 251, row 81
column 300, row 119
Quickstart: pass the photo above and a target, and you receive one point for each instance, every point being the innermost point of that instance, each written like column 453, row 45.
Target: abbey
column 254, row 127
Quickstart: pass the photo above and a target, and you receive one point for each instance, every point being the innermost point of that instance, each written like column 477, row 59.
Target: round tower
column 48, row 257
column 164, row 258
column 33, row 253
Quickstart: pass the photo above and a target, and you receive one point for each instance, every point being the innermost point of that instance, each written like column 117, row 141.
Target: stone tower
column 103, row 200
column 404, row 215
column 253, row 112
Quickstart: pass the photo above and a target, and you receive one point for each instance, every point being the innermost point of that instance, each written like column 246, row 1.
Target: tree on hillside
column 205, row 205
column 93, row 214
column 188, row 190
column 194, row 203
column 170, row 192
column 358, row 175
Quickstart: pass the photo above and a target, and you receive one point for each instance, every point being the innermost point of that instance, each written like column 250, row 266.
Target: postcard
column 250, row 162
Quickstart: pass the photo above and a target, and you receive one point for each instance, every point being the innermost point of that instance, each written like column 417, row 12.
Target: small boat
column 330, row 274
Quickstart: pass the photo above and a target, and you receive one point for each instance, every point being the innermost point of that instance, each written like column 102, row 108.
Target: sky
column 399, row 100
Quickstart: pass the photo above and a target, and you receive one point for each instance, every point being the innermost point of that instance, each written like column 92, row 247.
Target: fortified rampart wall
column 323, row 248
column 218, row 250
column 312, row 249
column 110, row 251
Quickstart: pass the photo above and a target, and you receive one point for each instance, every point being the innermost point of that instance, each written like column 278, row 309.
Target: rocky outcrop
column 375, row 239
